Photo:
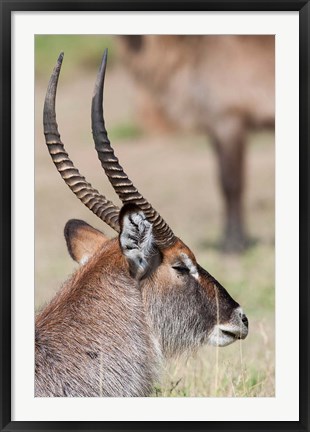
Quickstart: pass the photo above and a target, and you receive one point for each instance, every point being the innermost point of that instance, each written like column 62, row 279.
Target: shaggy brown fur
column 107, row 330
column 134, row 300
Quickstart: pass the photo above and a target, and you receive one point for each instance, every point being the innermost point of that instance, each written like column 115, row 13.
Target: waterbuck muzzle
column 134, row 299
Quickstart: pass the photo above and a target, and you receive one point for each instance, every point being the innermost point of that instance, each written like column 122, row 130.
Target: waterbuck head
column 184, row 305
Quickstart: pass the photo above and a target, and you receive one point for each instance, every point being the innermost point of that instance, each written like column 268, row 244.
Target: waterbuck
column 223, row 86
column 135, row 300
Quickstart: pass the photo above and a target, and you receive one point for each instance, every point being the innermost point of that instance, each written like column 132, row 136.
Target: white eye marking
column 191, row 267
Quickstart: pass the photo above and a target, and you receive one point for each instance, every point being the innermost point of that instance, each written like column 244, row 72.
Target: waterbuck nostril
column 245, row 320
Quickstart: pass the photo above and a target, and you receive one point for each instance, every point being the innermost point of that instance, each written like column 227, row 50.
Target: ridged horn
column 89, row 196
column 118, row 178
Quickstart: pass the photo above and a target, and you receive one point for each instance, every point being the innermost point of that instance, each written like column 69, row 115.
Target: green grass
column 125, row 131
column 246, row 368
column 217, row 372
column 81, row 52
column 178, row 175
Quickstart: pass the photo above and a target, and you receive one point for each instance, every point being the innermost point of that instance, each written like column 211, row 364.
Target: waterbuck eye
column 181, row 268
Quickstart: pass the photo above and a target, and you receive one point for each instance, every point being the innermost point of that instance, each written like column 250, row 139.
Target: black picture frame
column 7, row 7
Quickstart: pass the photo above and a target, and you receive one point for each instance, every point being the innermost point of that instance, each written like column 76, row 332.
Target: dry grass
column 244, row 369
column 178, row 175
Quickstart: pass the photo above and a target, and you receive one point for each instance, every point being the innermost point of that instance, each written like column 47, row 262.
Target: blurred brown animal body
column 219, row 85
column 135, row 300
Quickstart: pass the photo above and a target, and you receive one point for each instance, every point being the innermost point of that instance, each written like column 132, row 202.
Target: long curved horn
column 118, row 178
column 89, row 196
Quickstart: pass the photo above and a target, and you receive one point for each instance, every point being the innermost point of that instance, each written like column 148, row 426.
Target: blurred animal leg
column 230, row 148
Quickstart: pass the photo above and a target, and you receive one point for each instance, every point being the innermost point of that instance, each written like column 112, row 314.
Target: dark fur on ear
column 127, row 208
column 82, row 240
column 71, row 228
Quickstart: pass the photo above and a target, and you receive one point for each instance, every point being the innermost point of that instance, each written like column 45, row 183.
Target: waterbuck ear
column 82, row 240
column 137, row 242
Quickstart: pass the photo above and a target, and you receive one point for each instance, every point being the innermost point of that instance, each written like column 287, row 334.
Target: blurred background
column 206, row 94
